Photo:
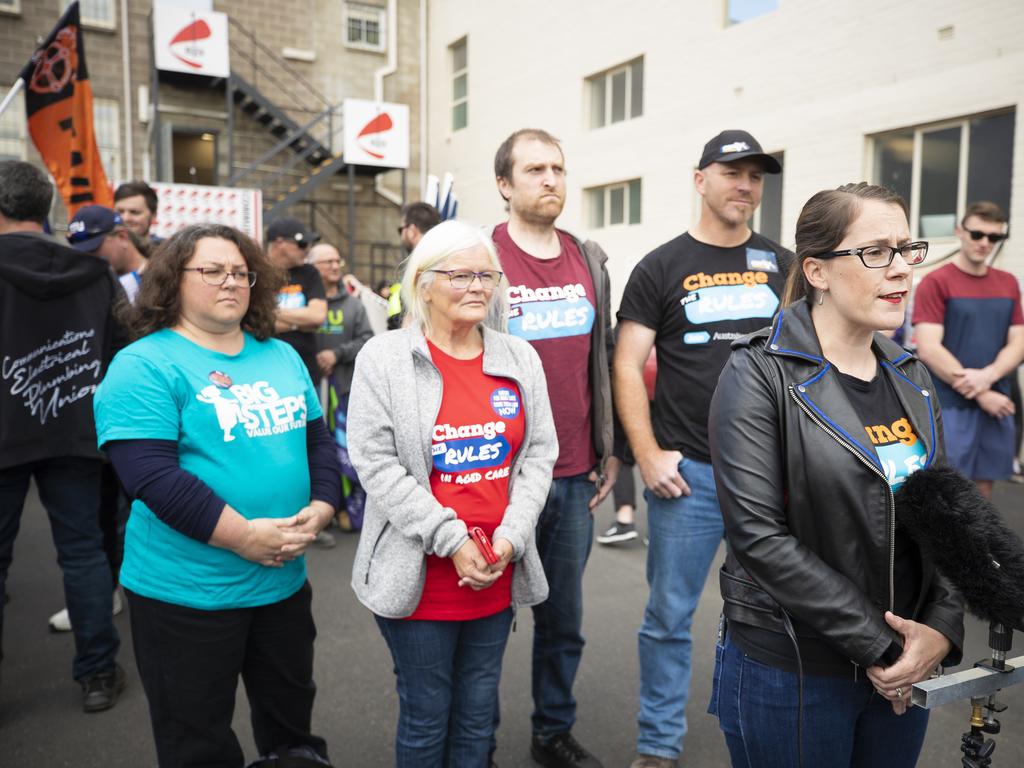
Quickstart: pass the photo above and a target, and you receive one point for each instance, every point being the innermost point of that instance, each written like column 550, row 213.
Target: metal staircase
column 276, row 96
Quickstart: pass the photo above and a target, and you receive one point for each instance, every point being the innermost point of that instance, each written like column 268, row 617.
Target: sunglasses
column 993, row 237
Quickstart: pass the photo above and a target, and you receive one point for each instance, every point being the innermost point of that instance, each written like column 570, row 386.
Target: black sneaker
column 618, row 533
column 100, row 691
column 562, row 751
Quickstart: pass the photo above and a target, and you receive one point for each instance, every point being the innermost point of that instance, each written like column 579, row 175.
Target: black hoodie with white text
column 57, row 337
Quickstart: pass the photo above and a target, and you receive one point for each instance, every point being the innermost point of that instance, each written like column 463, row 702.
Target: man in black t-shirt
column 302, row 301
column 689, row 298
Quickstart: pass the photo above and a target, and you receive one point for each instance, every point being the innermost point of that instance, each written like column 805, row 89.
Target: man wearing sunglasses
column 970, row 333
column 302, row 301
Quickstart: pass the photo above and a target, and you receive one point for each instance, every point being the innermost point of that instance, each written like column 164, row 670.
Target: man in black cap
column 102, row 232
column 302, row 302
column 690, row 297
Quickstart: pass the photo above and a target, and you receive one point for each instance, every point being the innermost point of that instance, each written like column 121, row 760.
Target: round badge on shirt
column 505, row 403
column 221, row 379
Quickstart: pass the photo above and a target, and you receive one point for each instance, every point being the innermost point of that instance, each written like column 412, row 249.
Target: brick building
column 292, row 64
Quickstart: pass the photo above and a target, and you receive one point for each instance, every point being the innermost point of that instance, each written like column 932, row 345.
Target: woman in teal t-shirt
column 216, row 431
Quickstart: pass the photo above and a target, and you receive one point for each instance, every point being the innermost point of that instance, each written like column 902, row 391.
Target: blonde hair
column 432, row 252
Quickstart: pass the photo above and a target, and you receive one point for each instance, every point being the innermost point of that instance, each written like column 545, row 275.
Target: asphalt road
column 42, row 725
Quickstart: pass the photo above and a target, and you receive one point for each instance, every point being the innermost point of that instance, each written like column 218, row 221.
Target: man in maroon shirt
column 559, row 297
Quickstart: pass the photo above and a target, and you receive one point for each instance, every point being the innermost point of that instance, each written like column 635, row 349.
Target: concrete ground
column 42, row 725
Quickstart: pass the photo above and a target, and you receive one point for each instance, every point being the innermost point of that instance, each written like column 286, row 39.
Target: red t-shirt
column 477, row 433
column 552, row 306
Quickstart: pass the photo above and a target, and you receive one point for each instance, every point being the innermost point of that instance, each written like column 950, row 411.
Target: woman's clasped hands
column 474, row 570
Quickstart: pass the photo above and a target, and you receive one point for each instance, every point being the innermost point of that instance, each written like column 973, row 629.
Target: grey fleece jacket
column 395, row 399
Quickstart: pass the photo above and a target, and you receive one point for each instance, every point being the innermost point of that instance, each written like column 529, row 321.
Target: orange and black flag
column 58, row 103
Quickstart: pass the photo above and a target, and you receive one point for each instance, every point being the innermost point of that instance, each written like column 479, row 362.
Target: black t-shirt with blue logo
column 699, row 298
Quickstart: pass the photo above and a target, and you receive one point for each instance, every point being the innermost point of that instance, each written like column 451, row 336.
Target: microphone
column 964, row 536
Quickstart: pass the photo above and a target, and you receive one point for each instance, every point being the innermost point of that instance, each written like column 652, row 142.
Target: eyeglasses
column 881, row 256
column 330, row 262
column 462, row 280
column 401, row 229
column 217, row 276
column 993, row 237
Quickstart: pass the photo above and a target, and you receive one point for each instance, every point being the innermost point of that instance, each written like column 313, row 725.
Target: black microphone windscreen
column 963, row 536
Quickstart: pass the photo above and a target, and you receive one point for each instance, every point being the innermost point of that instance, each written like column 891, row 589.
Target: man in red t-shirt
column 559, row 298
column 969, row 330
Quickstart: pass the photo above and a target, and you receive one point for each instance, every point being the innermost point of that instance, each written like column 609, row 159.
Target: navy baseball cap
column 291, row 229
column 729, row 146
column 90, row 225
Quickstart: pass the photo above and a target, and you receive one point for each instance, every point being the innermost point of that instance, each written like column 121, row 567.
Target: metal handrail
column 292, row 72
column 281, row 145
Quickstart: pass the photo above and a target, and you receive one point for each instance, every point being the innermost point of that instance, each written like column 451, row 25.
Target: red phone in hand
column 483, row 544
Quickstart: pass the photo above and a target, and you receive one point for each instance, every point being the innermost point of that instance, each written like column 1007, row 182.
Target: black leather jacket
column 809, row 515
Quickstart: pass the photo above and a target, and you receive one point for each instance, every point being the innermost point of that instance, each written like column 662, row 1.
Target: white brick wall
column 813, row 78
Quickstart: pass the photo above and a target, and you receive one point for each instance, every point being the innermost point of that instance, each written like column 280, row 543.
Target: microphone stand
column 979, row 684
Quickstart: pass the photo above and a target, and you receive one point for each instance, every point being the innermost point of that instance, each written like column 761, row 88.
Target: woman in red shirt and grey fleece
column 450, row 430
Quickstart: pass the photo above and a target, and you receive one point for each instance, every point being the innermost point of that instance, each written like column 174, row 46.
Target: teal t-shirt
column 240, row 424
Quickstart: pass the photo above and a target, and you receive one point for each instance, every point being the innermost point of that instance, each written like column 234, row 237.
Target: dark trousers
column 69, row 487
column 115, row 506
column 189, row 662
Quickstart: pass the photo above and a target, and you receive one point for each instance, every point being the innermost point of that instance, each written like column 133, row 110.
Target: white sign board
column 376, row 133
column 190, row 41
column 183, row 204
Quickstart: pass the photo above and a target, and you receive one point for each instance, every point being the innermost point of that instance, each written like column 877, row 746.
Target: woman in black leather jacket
column 815, row 422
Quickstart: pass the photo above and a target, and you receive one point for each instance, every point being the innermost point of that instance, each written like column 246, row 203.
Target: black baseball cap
column 729, row 146
column 90, row 225
column 291, row 229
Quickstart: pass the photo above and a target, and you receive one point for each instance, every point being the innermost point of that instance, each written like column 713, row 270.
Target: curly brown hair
column 158, row 304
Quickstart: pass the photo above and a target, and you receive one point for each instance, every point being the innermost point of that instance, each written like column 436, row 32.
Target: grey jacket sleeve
column 373, row 448
column 529, row 488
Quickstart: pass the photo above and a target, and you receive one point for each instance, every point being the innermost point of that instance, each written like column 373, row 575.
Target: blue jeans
column 684, row 534
column 845, row 723
column 447, row 680
column 69, row 488
column 565, row 533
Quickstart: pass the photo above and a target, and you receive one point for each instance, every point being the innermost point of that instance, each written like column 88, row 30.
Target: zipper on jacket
column 888, row 489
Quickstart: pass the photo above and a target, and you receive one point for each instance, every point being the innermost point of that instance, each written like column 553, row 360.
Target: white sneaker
column 61, row 622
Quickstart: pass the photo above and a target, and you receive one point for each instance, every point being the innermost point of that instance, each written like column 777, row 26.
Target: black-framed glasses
column 993, row 237
column 401, row 229
column 217, row 277
column 881, row 256
column 462, row 279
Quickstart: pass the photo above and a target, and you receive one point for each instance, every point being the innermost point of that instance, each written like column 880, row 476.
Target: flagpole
column 15, row 90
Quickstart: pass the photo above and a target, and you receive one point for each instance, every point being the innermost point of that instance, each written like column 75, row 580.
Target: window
column 460, row 85
column 10, row 6
column 613, row 204
column 105, row 126
column 96, row 13
column 617, row 94
column 364, row 27
column 13, row 129
column 939, row 169
column 767, row 219
column 738, row 11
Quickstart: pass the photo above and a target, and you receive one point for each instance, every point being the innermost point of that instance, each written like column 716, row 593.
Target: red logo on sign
column 189, row 36
column 370, row 138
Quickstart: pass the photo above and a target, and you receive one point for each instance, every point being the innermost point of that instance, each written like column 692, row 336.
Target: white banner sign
column 184, row 204
column 376, row 133
column 192, row 41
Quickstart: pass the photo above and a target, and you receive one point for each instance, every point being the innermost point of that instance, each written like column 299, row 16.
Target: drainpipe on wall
column 378, row 90
column 423, row 96
column 129, row 151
